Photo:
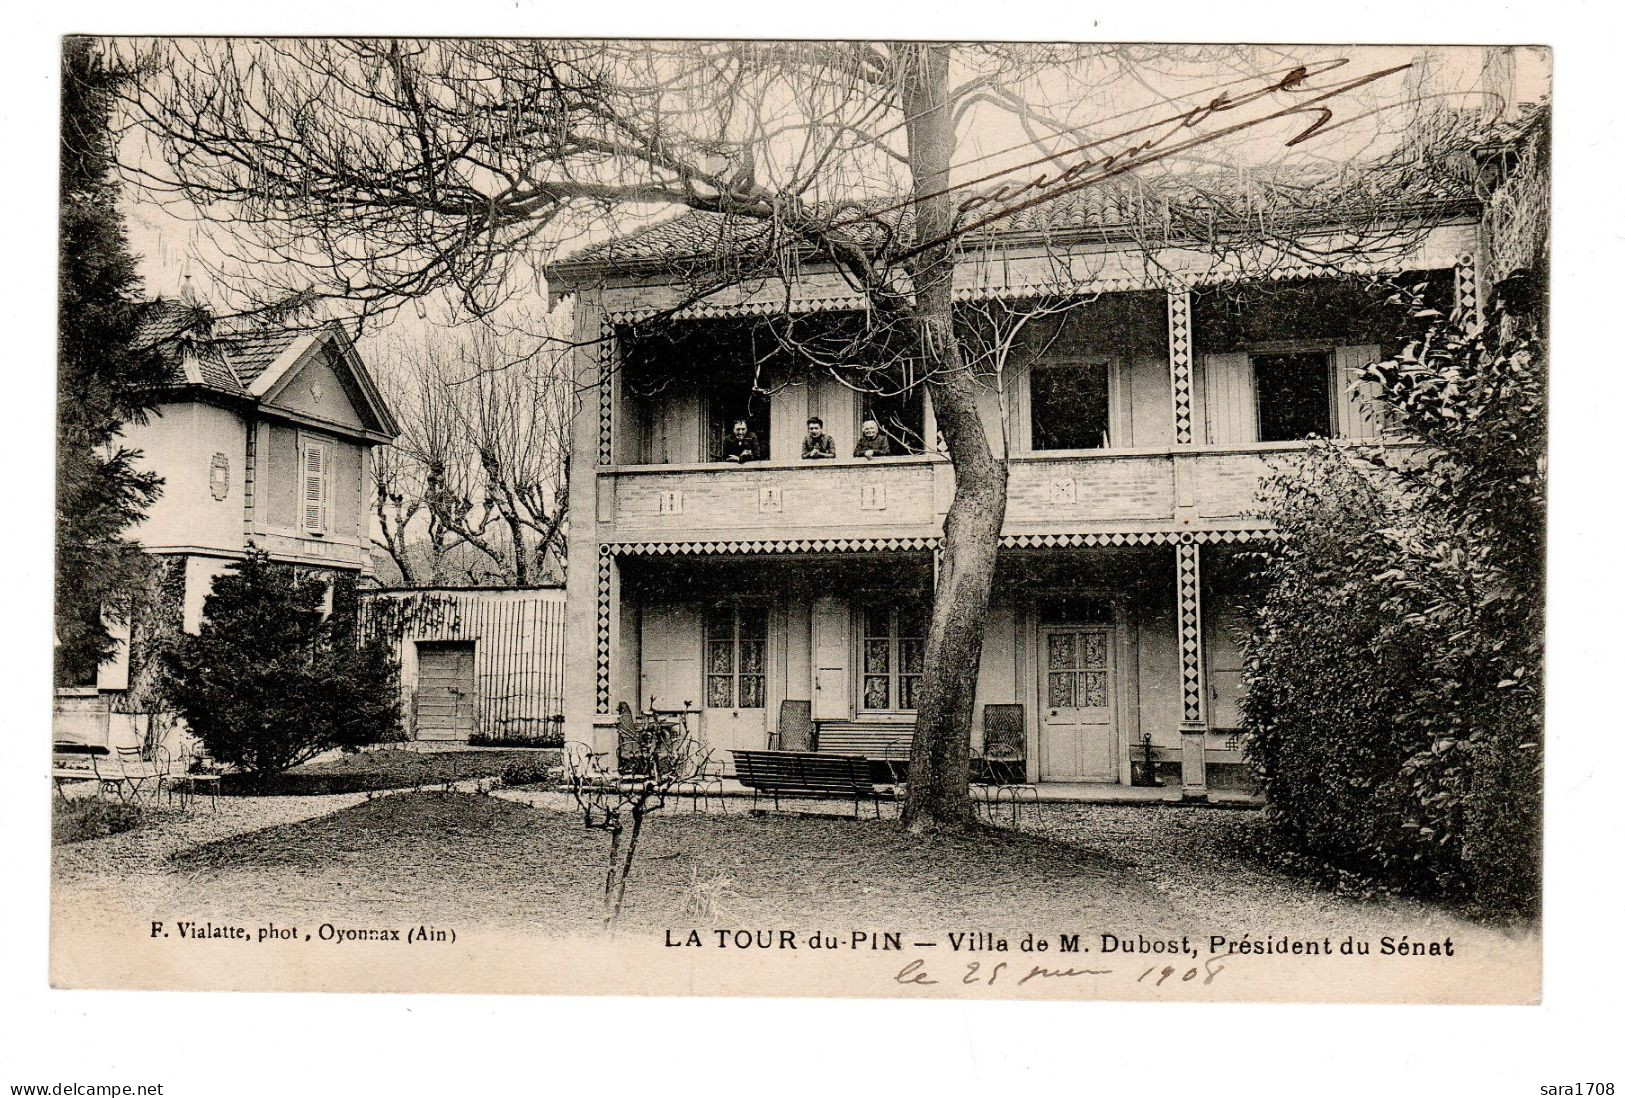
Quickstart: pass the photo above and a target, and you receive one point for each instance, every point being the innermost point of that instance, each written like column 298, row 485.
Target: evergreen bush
column 270, row 681
column 1394, row 669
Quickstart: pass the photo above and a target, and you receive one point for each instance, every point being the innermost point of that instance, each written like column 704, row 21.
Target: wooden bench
column 806, row 774
column 887, row 746
column 75, row 761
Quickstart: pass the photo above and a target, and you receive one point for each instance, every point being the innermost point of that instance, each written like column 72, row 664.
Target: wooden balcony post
column 1180, row 359
column 1192, row 678
column 607, row 628
column 608, row 391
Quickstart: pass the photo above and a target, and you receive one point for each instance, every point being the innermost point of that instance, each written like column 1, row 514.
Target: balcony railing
column 1184, row 488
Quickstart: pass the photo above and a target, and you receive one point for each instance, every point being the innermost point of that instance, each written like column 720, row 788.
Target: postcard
column 801, row 518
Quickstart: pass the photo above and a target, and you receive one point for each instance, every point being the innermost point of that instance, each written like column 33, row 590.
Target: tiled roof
column 229, row 356
column 251, row 353
column 1102, row 209
column 163, row 320
column 198, row 354
column 215, row 369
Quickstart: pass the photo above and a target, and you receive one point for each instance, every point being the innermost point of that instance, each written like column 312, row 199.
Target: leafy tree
column 1394, row 672
column 270, row 681
column 103, row 381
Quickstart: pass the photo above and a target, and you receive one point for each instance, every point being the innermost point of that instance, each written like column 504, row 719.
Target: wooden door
column 1076, row 726
column 443, row 704
column 670, row 648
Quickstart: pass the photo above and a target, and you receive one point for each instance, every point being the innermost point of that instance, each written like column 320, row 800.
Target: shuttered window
column 315, row 478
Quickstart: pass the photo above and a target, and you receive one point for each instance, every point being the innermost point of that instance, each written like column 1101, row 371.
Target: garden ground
column 521, row 860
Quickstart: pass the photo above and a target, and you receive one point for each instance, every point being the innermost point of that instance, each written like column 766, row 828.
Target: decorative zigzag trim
column 999, row 291
column 763, row 547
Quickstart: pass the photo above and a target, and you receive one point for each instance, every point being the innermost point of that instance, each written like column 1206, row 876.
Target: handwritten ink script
column 1021, row 959
column 1181, row 131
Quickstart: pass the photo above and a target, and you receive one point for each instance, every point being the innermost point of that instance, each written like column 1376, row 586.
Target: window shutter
column 1359, row 411
column 1232, row 408
column 832, row 647
column 314, row 496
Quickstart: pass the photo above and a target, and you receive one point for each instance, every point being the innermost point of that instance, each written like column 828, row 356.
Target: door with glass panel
column 1077, row 732
column 893, row 659
column 735, row 710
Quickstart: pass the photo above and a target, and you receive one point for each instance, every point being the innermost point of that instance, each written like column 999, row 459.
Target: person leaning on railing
column 871, row 443
column 742, row 445
column 817, row 444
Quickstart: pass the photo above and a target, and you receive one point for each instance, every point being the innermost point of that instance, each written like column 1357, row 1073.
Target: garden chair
column 795, row 731
column 198, row 775
column 583, row 764
column 1000, row 770
column 132, row 772
column 703, row 786
column 630, row 756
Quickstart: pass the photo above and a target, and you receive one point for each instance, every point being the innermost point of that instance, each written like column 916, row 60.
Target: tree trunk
column 939, row 767
column 521, row 563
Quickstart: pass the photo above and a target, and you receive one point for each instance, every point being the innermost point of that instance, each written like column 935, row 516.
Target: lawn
column 393, row 768
column 523, row 861
column 73, row 820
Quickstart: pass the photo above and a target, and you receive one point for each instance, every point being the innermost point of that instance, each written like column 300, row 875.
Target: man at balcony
column 742, row 445
column 817, row 444
column 872, row 444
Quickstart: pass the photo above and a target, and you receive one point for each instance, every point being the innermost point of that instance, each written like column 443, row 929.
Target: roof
column 252, row 353
column 162, row 320
column 1178, row 206
column 210, row 356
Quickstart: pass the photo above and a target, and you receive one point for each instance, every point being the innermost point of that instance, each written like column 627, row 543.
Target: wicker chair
column 795, row 731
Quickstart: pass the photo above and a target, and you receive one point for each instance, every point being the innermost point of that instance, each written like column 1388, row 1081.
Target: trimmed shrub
column 375, row 771
column 547, row 737
column 76, row 820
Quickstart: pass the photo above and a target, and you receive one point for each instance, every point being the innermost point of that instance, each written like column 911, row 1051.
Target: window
column 734, row 397
column 1070, row 407
column 901, row 417
column 1294, row 395
column 315, row 464
column 736, row 657
column 893, row 657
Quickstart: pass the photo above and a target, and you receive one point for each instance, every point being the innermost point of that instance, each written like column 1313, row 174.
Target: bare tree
column 616, row 796
column 372, row 172
column 483, row 458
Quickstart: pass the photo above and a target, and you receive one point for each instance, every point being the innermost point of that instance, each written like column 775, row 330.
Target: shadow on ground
column 497, row 861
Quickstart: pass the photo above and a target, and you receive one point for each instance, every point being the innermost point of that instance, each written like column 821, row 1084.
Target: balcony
column 1188, row 488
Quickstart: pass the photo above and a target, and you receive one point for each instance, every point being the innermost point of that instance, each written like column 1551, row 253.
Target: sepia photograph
column 847, row 518
column 737, row 543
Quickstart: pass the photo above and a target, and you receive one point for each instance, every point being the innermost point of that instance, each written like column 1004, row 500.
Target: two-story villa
column 262, row 438
column 1136, row 424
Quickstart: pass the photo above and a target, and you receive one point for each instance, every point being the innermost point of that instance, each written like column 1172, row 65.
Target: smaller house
column 263, row 437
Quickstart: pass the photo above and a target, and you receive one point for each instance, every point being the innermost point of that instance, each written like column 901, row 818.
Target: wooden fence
column 517, row 635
